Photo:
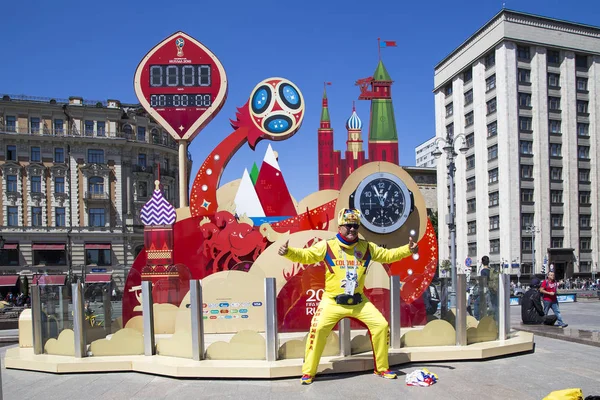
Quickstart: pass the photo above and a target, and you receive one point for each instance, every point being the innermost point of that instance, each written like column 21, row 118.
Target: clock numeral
column 396, row 193
column 381, row 185
column 397, row 211
column 368, row 194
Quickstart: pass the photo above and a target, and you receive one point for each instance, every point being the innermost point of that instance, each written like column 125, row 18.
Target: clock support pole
column 183, row 186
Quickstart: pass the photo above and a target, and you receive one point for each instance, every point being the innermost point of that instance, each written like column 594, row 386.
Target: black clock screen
column 382, row 202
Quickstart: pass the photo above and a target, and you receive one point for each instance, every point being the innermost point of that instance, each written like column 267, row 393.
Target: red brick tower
column 327, row 166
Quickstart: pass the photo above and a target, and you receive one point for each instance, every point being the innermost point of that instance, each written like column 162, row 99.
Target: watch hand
column 376, row 191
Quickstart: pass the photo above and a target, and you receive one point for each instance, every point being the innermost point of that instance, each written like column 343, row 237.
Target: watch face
column 384, row 202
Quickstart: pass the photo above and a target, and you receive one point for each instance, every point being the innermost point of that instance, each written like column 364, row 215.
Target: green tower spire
column 325, row 109
column 382, row 126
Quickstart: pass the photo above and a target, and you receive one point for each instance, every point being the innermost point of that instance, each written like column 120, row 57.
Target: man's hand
column 412, row 245
column 284, row 248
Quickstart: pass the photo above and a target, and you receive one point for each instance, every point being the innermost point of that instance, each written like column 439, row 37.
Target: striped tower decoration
column 158, row 211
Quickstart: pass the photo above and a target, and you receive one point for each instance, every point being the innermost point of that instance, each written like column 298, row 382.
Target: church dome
column 354, row 123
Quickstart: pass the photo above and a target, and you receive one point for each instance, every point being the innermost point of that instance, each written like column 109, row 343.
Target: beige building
column 75, row 175
column 524, row 90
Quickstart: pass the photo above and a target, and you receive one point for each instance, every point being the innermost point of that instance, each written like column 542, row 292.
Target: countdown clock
column 181, row 84
column 384, row 202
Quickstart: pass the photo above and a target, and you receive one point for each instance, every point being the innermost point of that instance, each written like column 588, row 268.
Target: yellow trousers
column 328, row 314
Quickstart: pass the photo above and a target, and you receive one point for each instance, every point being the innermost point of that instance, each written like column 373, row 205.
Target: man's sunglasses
column 350, row 226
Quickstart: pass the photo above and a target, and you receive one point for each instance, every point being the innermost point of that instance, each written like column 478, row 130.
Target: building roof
column 381, row 73
column 354, row 122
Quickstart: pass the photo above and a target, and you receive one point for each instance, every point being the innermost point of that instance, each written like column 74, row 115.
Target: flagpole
column 379, row 48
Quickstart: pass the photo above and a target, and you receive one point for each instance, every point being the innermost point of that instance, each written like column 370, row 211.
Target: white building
column 424, row 154
column 75, row 176
column 524, row 90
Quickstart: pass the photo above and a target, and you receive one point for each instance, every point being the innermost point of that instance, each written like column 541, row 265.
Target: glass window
column 36, row 184
column 472, row 250
column 59, row 155
column 494, row 222
column 583, row 152
column 493, row 199
column 554, row 80
column 557, row 220
column 143, row 189
column 581, row 61
column 585, row 244
column 59, row 127
column 59, row 184
column 490, row 60
column 554, row 126
column 468, row 97
column 556, row 196
column 524, row 76
column 492, row 152
column 490, row 83
column 471, row 205
column 583, row 129
column 11, row 123
column 470, row 161
column 472, row 227
column 553, row 57
column 141, row 134
column 448, row 89
column 495, row 246
column 526, row 195
column 584, row 175
column 11, row 183
column 101, row 128
column 96, row 185
column 36, row 216
column 524, row 100
column 523, row 53
column 526, row 171
column 60, row 216
column 142, row 160
column 582, row 106
column 492, row 129
column 582, row 84
column 491, row 106
column 469, row 119
column 493, row 175
column 584, row 197
column 89, row 128
column 526, row 244
column 470, row 184
column 13, row 216
column 34, row 124
column 526, row 219
column 555, row 150
column 96, row 216
column 585, row 221
column 11, row 152
column 36, row 154
column 526, row 147
column 470, row 138
column 450, row 130
column 98, row 257
column 95, row 156
column 128, row 131
column 557, row 242
column 525, row 124
column 556, row 173
column 554, row 103
column 467, row 75
column 449, row 110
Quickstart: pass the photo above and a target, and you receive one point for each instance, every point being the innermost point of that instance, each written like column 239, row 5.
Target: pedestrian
column 347, row 259
column 548, row 289
column 532, row 309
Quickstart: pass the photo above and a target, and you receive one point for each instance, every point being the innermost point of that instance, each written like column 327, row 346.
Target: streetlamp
column 532, row 230
column 449, row 148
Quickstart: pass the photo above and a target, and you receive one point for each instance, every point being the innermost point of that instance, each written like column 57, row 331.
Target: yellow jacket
column 360, row 253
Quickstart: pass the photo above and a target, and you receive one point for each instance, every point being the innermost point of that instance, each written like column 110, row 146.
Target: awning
column 97, row 246
column 98, row 278
column 37, row 246
column 8, row 280
column 49, row 280
column 10, row 246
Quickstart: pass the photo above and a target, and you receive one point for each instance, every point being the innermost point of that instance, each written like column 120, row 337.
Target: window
column 525, row 124
column 89, row 128
column 556, row 196
column 584, row 175
column 472, row 227
column 58, row 127
column 492, row 129
column 471, row 205
column 526, row 147
column 467, row 75
column 11, row 124
column 524, row 100
column 469, row 119
column 60, row 219
column 36, row 184
column 143, row 189
column 554, row 103
column 493, row 199
column 492, row 152
column 448, row 89
column 449, row 110
column 128, row 131
column 553, row 57
column 582, row 84
column 582, row 107
column 470, row 139
column 526, row 244
column 524, row 76
column 141, row 134
column 585, row 266
column 11, row 183
column 59, row 155
column 470, row 161
column 584, row 221
column 491, row 106
column 584, row 197
column 556, row 220
column 96, row 217
column 167, row 190
column 36, row 154
column 526, row 195
column 526, row 219
column 96, row 185
column 99, row 257
column 450, row 130
column 11, row 152
column 557, row 242
column 581, row 61
column 554, row 126
column 556, row 173
column 583, row 152
column 95, row 156
column 526, row 171
column 155, row 136
column 13, row 216
column 472, row 250
column 495, row 246
column 470, row 184
column 34, row 125
column 583, row 129
column 101, row 128
column 490, row 60
column 59, row 184
column 555, row 150
column 36, row 216
column 585, row 244
column 554, row 80
column 469, row 97
column 142, row 160
column 490, row 83
column 494, row 222
column 493, row 175
column 523, row 53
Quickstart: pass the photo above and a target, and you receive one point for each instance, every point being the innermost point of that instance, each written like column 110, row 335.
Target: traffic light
column 544, row 269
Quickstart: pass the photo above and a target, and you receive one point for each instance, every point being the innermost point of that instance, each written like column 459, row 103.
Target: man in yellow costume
column 347, row 259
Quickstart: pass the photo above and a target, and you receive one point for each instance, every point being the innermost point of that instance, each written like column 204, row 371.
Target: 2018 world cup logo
column 179, row 43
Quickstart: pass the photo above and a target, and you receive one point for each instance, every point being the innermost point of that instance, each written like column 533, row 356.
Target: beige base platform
column 23, row 358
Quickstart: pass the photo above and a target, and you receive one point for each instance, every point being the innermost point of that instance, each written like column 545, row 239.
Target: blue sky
column 91, row 49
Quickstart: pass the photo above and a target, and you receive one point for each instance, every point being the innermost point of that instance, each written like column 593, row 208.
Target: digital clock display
column 180, row 75
column 180, row 100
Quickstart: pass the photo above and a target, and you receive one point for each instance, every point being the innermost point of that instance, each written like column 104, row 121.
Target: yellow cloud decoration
column 124, row 342
column 361, row 344
column 179, row 345
column 296, row 348
column 63, row 346
column 486, row 331
column 435, row 333
column 244, row 345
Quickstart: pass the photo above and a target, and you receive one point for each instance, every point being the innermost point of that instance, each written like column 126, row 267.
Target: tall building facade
column 524, row 90
column 75, row 176
column 424, row 154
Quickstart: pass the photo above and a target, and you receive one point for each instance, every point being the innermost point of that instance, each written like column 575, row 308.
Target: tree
column 433, row 217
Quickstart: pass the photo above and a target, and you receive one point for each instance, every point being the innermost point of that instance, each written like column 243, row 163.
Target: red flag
column 328, row 83
column 389, row 43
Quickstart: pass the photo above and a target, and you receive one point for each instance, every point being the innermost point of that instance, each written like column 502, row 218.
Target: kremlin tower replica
column 383, row 138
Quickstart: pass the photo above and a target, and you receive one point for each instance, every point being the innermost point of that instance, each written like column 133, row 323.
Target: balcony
column 97, row 196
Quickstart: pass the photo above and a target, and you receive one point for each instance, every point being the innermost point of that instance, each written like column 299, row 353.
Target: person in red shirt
column 548, row 289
